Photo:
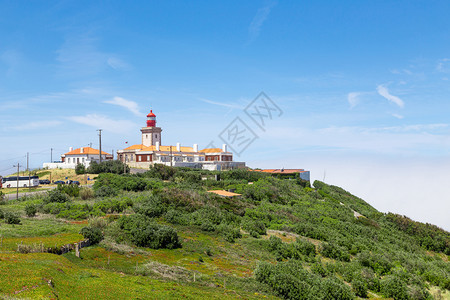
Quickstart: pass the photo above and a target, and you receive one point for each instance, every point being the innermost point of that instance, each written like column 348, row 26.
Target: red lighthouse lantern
column 151, row 119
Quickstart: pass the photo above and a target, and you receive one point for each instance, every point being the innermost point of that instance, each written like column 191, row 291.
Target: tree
column 80, row 169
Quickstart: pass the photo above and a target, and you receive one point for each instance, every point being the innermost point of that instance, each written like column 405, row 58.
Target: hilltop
column 160, row 234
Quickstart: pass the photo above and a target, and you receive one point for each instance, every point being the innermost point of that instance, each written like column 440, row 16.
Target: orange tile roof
column 224, row 193
column 211, row 150
column 86, row 150
column 135, row 147
column 167, row 149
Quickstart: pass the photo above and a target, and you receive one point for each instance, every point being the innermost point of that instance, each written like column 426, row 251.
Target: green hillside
column 161, row 235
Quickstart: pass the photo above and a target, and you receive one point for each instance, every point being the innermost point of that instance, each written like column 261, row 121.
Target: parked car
column 44, row 181
column 76, row 182
column 59, row 182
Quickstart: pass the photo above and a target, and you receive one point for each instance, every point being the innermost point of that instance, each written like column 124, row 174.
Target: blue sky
column 363, row 86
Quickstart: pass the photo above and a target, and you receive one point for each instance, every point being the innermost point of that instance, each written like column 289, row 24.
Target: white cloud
column 397, row 116
column 117, row 64
column 128, row 104
column 35, row 125
column 407, row 139
column 80, row 56
column 228, row 105
column 394, row 184
column 353, row 98
column 443, row 65
column 257, row 22
column 383, row 91
column 105, row 123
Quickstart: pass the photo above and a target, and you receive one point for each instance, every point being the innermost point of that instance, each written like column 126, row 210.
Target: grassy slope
column 221, row 269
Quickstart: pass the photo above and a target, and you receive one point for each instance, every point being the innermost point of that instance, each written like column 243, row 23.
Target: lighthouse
column 151, row 135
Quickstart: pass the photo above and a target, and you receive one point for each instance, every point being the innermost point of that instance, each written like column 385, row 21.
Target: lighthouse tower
column 151, row 134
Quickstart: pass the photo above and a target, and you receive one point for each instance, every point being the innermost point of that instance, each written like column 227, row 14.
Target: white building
column 152, row 152
column 83, row 155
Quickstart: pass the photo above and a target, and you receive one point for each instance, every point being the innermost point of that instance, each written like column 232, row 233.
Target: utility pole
column 100, row 142
column 28, row 169
column 17, row 188
column 51, row 155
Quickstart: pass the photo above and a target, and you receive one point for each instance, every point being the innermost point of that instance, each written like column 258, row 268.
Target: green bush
column 359, row 287
column 392, row 286
column 207, row 225
column 105, row 191
column 228, row 232
column 86, row 193
column 333, row 288
column 30, row 210
column 152, row 207
column 80, row 169
column 332, row 250
column 176, row 217
column 161, row 171
column 56, row 196
column 71, row 190
column 318, row 268
column 256, row 226
column 108, row 166
column 2, row 214
column 11, row 218
column 93, row 234
column 144, row 233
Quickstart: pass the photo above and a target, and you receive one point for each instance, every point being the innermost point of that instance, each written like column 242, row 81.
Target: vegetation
column 108, row 166
column 161, row 232
column 80, row 169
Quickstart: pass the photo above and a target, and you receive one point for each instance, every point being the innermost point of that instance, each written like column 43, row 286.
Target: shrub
column 30, row 210
column 359, row 287
column 175, row 217
column 93, row 234
column 56, row 195
column 105, row 191
column 109, row 166
column 263, row 272
column 317, row 268
column 80, row 169
column 71, row 190
column 152, row 208
column 11, row 218
column 2, row 214
column 304, row 247
column 392, row 286
column 161, row 171
column 86, row 193
column 228, row 232
column 207, row 225
column 97, row 222
column 144, row 233
column 255, row 226
column 333, row 288
column 332, row 250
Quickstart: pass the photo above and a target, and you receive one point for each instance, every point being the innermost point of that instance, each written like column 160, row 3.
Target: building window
column 68, row 160
column 140, row 158
column 148, row 157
